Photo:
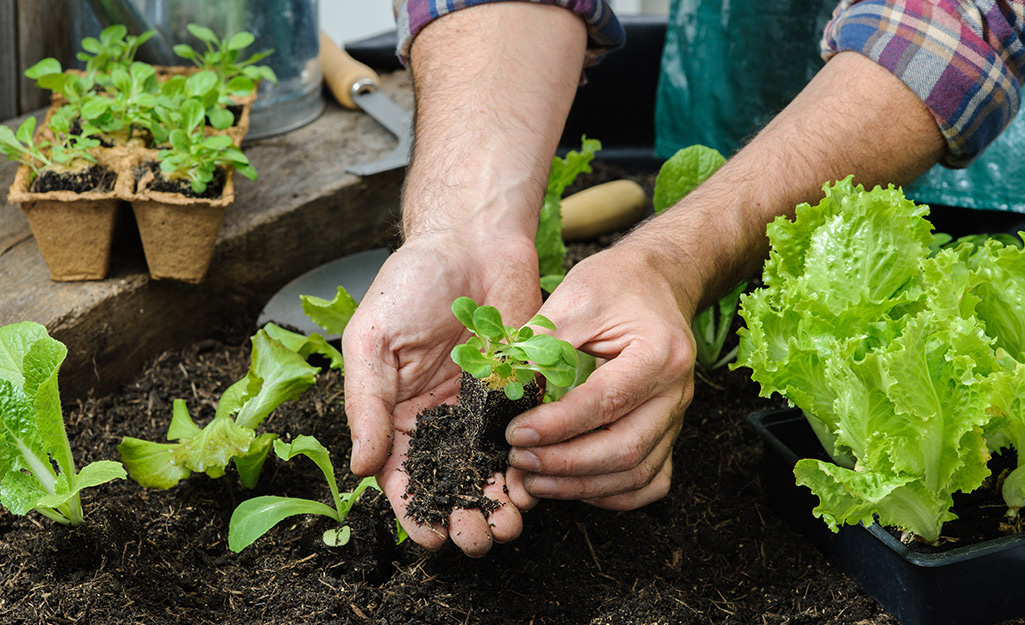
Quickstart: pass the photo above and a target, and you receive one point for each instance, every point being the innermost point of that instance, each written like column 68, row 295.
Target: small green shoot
column 115, row 49
column 222, row 57
column 255, row 517
column 507, row 356
column 196, row 157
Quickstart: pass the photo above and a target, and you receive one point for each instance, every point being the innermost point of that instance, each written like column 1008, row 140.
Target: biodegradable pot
column 74, row 231
column 179, row 233
column 977, row 584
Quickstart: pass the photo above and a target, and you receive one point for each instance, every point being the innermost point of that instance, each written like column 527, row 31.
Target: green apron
column 729, row 66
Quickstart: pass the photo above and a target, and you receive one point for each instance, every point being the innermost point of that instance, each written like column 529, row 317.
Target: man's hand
column 609, row 442
column 397, row 363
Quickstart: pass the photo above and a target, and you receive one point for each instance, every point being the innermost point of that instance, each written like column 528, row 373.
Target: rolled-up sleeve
column 604, row 31
column 965, row 60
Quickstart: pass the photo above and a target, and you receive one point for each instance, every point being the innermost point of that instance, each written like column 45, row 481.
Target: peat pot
column 977, row 584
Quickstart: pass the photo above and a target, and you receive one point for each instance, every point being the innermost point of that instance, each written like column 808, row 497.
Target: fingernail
column 523, row 437
column 523, row 459
column 541, row 486
column 355, row 447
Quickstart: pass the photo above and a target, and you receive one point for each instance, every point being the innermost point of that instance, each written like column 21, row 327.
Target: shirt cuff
column 604, row 32
column 965, row 60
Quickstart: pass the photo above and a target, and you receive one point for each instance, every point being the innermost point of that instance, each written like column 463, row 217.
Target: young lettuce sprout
column 255, row 517
column 37, row 471
column 508, row 358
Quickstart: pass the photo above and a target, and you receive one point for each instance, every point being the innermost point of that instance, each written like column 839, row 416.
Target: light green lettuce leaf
column 332, row 315
column 683, row 172
column 551, row 250
column 276, row 375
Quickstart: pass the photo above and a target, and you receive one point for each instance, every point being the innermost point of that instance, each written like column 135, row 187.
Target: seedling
column 195, row 157
column 278, row 372
column 37, row 470
column 115, row 49
column 255, row 517
column 64, row 153
column 508, row 358
column 222, row 57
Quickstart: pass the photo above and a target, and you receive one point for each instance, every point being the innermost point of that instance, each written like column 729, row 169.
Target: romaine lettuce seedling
column 37, row 470
column 508, row 358
column 278, row 373
column 255, row 517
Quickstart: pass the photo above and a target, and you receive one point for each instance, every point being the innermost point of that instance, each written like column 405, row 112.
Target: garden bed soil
column 711, row 551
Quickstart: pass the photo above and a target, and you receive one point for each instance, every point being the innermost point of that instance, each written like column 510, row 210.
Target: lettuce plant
column 677, row 177
column 551, row 250
column 508, row 357
column 278, row 372
column 907, row 359
column 37, row 470
column 255, row 517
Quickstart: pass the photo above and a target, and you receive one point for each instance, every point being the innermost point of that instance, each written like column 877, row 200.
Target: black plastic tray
column 977, row 584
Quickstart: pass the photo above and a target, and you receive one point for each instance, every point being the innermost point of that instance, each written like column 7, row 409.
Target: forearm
column 853, row 118
column 493, row 86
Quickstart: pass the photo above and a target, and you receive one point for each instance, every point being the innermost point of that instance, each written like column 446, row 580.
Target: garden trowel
column 355, row 85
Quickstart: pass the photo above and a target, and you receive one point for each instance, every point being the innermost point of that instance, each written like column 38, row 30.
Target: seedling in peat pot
column 508, row 358
column 222, row 58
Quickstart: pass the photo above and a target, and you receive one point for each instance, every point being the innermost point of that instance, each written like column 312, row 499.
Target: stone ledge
column 305, row 210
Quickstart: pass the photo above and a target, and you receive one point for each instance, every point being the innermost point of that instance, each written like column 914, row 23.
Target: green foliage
column 255, row 517
column 907, row 358
column 40, row 154
column 222, row 57
column 683, row 172
column 278, row 372
column 126, row 103
column 512, row 356
column 551, row 250
column 37, row 470
column 196, row 157
column 114, row 50
column 21, row 146
column 711, row 329
column 677, row 177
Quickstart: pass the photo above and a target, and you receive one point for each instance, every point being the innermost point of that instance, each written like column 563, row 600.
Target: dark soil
column 456, row 449
column 213, row 190
column 711, row 551
column 95, row 178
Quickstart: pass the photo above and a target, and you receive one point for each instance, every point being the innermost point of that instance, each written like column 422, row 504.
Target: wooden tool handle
column 343, row 74
column 602, row 208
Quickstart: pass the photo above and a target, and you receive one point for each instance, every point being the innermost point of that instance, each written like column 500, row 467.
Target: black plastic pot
column 977, row 584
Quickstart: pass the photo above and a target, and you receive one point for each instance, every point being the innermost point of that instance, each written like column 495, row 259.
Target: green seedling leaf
column 203, row 33
column 306, row 346
column 333, row 315
column 551, row 251
column 487, row 322
column 255, row 517
column 683, row 172
column 46, row 67
column 250, row 464
column 276, row 375
column 240, row 41
column 37, row 470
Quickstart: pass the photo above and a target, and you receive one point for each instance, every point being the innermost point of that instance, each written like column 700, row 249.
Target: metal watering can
column 289, row 27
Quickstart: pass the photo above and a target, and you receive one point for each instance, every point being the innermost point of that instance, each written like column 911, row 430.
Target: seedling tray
column 977, row 584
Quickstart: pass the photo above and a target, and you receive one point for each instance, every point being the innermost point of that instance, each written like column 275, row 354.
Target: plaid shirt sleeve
column 965, row 60
column 604, row 31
